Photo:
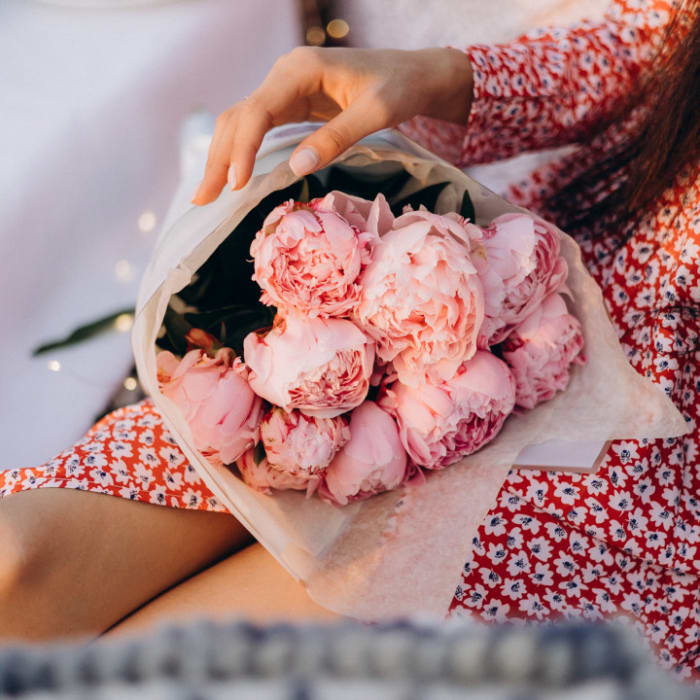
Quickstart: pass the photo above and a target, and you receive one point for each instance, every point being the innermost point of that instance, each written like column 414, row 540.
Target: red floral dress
column 623, row 541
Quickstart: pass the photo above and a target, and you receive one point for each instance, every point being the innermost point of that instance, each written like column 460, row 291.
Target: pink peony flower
column 372, row 462
column 374, row 217
column 541, row 349
column 259, row 475
column 422, row 299
column 441, row 423
column 320, row 366
column 301, row 445
column 308, row 260
column 523, row 267
column 215, row 399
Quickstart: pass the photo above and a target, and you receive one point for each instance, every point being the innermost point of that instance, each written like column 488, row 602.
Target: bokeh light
column 131, row 384
column 124, row 322
column 124, row 271
column 315, row 36
column 147, row 221
column 337, row 28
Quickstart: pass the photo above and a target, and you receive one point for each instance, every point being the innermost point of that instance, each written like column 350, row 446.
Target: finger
column 216, row 169
column 281, row 98
column 366, row 115
column 276, row 96
column 254, row 122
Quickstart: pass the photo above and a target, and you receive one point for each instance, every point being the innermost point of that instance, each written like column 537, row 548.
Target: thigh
column 75, row 562
column 250, row 584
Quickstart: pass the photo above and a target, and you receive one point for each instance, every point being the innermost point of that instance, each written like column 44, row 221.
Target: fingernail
column 231, row 176
column 304, row 161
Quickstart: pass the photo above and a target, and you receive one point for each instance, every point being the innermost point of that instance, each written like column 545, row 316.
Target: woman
column 621, row 541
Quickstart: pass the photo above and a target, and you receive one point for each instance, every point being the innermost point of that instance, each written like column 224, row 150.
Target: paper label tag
column 562, row 455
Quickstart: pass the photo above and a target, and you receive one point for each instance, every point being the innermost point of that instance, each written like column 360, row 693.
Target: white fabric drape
column 92, row 103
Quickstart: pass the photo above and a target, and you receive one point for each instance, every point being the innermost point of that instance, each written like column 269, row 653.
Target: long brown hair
column 636, row 173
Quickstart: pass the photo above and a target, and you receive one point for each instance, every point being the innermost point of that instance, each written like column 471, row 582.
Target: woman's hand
column 357, row 91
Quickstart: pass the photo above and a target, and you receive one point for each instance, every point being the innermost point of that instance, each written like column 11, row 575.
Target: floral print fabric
column 625, row 540
column 129, row 454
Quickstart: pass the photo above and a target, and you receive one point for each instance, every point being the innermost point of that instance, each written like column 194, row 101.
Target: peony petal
column 372, row 461
column 321, row 366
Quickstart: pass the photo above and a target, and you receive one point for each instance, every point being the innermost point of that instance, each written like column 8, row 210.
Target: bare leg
column 75, row 563
column 249, row 584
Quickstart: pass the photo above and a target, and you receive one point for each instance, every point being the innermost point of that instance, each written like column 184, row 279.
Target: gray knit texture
column 389, row 662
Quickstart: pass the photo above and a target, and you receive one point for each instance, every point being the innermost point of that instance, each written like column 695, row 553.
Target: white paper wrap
column 400, row 553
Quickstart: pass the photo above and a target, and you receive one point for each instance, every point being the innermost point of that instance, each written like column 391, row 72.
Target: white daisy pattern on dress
column 129, row 454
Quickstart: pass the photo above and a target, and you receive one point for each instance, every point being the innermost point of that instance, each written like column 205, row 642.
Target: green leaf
column 391, row 186
column 230, row 324
column 341, row 179
column 82, row 333
column 467, row 208
column 176, row 328
column 236, row 329
column 366, row 186
column 316, row 188
column 427, row 196
column 212, row 317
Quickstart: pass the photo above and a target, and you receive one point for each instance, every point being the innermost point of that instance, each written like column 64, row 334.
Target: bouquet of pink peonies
column 386, row 328
column 397, row 344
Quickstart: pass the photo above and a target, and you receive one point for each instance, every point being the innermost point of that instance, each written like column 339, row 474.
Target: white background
column 91, row 108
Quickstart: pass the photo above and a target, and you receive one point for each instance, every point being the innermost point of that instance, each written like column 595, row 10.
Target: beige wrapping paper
column 399, row 553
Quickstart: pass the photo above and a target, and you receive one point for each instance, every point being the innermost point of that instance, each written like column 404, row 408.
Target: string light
column 337, row 28
column 147, row 222
column 56, row 366
column 124, row 322
column 124, row 271
column 315, row 36
column 130, row 384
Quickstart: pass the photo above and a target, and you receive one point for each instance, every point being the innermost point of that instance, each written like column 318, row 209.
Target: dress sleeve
column 550, row 87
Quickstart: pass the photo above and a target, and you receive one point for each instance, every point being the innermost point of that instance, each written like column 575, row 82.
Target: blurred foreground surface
column 387, row 662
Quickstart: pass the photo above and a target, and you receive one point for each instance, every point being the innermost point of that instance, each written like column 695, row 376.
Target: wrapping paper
column 400, row 553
